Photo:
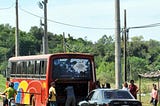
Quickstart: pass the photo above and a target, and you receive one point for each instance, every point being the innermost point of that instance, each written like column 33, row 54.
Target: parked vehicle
column 109, row 97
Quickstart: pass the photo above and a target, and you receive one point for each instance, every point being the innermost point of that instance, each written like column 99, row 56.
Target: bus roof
column 45, row 56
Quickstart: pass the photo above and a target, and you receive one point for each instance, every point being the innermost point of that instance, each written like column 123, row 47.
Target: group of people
column 10, row 93
column 98, row 85
column 134, row 89
column 70, row 101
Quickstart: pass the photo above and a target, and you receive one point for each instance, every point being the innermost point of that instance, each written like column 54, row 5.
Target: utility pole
column 45, row 37
column 64, row 42
column 17, row 32
column 125, row 46
column 117, row 45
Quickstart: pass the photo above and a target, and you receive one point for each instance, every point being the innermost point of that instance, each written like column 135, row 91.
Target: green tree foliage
column 37, row 34
column 137, row 47
column 104, row 49
column 137, row 65
column 105, row 72
column 153, row 55
column 6, row 41
column 142, row 56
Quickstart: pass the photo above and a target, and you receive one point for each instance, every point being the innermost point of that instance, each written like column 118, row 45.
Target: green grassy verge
column 2, row 84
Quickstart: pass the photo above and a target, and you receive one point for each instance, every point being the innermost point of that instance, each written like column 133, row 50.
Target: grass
column 146, row 87
column 2, row 84
column 146, row 100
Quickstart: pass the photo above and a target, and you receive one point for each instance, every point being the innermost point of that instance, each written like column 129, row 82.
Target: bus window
column 24, row 71
column 34, row 67
column 37, row 67
column 13, row 68
column 71, row 68
column 18, row 72
column 43, row 65
column 31, row 68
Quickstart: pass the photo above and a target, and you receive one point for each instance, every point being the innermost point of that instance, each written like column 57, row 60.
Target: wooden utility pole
column 117, row 45
column 125, row 46
column 17, row 32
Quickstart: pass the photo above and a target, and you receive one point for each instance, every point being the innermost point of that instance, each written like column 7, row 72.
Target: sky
column 87, row 19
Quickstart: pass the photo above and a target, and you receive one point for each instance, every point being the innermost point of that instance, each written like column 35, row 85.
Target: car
column 109, row 97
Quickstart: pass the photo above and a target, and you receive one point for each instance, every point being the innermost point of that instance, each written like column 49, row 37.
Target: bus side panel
column 28, row 88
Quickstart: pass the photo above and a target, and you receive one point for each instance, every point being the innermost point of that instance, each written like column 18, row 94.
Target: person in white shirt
column 125, row 86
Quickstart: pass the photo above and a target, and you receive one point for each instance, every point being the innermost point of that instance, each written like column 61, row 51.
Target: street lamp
column 42, row 5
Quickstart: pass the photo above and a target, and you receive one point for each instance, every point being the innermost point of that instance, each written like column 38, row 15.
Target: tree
column 137, row 66
column 105, row 72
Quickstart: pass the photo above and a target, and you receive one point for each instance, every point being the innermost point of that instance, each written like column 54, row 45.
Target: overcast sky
column 90, row 19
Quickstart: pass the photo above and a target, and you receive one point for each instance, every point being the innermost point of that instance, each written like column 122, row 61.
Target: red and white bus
column 33, row 74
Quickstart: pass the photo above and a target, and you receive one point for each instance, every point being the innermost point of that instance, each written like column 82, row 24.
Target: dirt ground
column 1, row 103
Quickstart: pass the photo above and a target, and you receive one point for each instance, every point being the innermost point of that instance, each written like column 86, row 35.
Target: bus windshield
column 75, row 68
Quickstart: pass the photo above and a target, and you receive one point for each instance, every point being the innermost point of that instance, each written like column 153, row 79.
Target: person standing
column 154, row 95
column 71, row 100
column 133, row 89
column 108, row 86
column 10, row 93
column 125, row 86
column 151, row 93
column 98, row 85
column 52, row 95
column 103, row 85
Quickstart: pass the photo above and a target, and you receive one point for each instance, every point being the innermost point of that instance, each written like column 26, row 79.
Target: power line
column 5, row 8
column 85, row 27
column 145, row 26
column 78, row 26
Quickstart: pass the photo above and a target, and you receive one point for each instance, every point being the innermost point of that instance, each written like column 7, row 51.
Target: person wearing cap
column 52, row 95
